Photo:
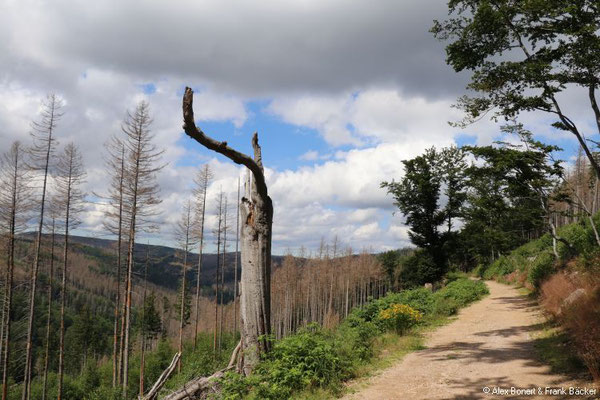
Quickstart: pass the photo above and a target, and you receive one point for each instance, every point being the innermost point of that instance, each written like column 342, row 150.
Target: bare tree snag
column 256, row 212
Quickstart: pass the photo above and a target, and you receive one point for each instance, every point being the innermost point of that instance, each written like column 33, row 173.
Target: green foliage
column 536, row 258
column 458, row 294
column 390, row 261
column 580, row 237
column 355, row 337
column 508, row 196
column 420, row 299
column 556, row 46
column 417, row 195
column 187, row 303
column 502, row 266
column 418, row 269
column 541, row 268
column 105, row 393
column 151, row 323
column 306, row 359
column 454, row 276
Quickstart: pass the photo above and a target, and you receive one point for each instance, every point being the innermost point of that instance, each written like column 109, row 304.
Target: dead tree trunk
column 235, row 272
column 256, row 210
column 202, row 180
column 49, row 316
column 223, row 265
column 218, row 234
column 143, row 335
column 116, row 359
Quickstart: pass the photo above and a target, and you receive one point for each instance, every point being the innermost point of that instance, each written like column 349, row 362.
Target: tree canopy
column 523, row 54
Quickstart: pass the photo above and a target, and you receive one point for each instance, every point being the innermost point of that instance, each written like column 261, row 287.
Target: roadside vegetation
column 318, row 360
column 568, row 289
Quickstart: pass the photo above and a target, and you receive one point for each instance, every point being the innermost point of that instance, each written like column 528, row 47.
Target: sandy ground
column 488, row 346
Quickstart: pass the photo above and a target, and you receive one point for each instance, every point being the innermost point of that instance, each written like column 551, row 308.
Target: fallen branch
column 234, row 355
column 162, row 379
column 196, row 387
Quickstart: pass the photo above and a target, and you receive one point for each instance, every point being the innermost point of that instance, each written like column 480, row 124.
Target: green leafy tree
column 429, row 181
column 523, row 55
column 509, row 190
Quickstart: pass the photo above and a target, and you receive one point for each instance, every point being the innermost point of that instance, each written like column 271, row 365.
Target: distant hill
column 164, row 265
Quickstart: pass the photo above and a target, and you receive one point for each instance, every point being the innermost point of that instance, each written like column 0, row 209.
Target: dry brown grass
column 582, row 317
column 520, row 278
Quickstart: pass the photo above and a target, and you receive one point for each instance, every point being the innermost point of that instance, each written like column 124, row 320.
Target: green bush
column 541, row 268
column 479, row 270
column 420, row 299
column 455, row 275
column 356, row 337
column 578, row 236
column 308, row 359
column 458, row 294
column 502, row 266
column 399, row 317
column 105, row 393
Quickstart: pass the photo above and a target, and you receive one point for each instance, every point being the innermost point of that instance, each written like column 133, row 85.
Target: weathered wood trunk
column 256, row 212
column 255, row 303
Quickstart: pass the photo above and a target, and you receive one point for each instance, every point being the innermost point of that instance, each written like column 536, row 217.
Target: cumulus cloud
column 370, row 116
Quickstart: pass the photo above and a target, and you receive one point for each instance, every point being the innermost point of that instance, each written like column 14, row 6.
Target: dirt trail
column 489, row 345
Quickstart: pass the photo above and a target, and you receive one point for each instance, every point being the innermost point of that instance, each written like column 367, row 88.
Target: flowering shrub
column 399, row 317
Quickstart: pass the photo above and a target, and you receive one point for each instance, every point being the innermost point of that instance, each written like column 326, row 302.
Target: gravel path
column 489, row 345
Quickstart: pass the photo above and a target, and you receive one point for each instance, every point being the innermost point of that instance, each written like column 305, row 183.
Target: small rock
column 571, row 299
column 429, row 286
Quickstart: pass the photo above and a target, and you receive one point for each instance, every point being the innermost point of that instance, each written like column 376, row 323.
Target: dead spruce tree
column 140, row 194
column 217, row 234
column 235, row 271
column 69, row 200
column 202, row 180
column 41, row 153
column 15, row 203
column 185, row 239
column 224, row 229
column 256, row 209
column 52, row 225
column 143, row 323
column 114, row 223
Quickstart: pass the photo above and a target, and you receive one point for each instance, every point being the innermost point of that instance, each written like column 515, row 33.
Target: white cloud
column 370, row 116
column 310, row 155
